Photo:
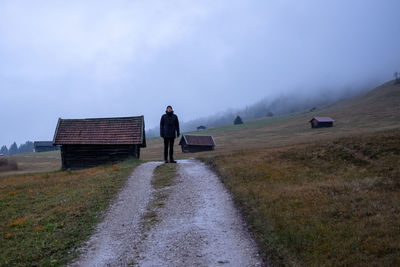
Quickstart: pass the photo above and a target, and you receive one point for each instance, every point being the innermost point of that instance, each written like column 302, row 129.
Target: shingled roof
column 198, row 140
column 100, row 131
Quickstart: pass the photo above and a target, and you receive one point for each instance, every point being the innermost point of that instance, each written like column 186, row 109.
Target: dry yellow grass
column 18, row 222
column 328, row 203
column 34, row 162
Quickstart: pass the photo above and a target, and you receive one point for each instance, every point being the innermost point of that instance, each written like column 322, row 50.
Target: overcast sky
column 79, row 59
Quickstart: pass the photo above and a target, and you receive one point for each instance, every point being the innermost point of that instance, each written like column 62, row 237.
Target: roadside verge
column 45, row 216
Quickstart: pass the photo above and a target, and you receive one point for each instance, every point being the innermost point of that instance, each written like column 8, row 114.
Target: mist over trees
column 396, row 76
column 282, row 105
column 15, row 149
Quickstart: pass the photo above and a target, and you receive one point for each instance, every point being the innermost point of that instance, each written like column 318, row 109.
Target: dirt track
column 199, row 225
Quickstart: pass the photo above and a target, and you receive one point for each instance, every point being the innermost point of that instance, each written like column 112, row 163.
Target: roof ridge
column 105, row 118
column 111, row 130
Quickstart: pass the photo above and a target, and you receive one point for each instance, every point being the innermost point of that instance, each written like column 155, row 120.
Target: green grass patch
column 45, row 216
column 254, row 123
column 163, row 177
column 327, row 203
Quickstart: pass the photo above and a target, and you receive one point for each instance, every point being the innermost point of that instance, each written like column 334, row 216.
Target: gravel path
column 199, row 225
column 113, row 242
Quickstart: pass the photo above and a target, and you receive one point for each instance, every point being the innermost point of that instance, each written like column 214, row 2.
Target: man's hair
column 169, row 107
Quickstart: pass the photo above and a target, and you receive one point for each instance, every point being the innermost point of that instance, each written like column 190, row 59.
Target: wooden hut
column 318, row 122
column 196, row 143
column 91, row 142
column 44, row 146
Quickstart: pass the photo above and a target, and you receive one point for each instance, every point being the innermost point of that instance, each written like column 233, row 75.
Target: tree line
column 15, row 149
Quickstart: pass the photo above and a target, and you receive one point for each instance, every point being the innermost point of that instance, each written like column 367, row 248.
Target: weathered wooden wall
column 321, row 124
column 86, row 156
column 189, row 148
column 46, row 148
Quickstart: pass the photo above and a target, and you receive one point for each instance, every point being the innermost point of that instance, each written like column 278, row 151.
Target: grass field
column 328, row 203
column 35, row 162
column 378, row 109
column 44, row 216
column 312, row 196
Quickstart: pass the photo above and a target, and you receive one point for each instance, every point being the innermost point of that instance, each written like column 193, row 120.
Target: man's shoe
column 165, row 161
column 172, row 161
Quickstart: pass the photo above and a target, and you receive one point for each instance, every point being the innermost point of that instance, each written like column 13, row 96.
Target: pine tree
column 13, row 149
column 238, row 120
column 4, row 150
column 27, row 147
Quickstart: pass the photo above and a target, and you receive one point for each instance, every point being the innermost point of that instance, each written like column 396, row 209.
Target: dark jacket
column 169, row 125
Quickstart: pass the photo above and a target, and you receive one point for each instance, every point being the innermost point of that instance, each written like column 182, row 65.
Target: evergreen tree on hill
column 27, row 147
column 13, row 149
column 4, row 150
column 238, row 120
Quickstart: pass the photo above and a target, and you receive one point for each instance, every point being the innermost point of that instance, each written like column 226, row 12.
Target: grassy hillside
column 378, row 109
column 316, row 197
column 322, row 204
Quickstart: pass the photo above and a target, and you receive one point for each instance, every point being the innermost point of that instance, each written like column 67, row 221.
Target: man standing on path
column 169, row 130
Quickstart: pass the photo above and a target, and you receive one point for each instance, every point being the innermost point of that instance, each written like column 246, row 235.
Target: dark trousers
column 169, row 142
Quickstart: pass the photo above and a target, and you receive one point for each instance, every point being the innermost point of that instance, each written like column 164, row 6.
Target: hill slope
column 376, row 110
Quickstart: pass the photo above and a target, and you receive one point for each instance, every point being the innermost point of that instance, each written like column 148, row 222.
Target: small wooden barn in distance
column 318, row 122
column 44, row 146
column 91, row 142
column 196, row 143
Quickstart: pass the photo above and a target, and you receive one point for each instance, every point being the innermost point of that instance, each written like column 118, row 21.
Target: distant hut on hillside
column 44, row 146
column 196, row 143
column 201, row 127
column 318, row 122
column 91, row 142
